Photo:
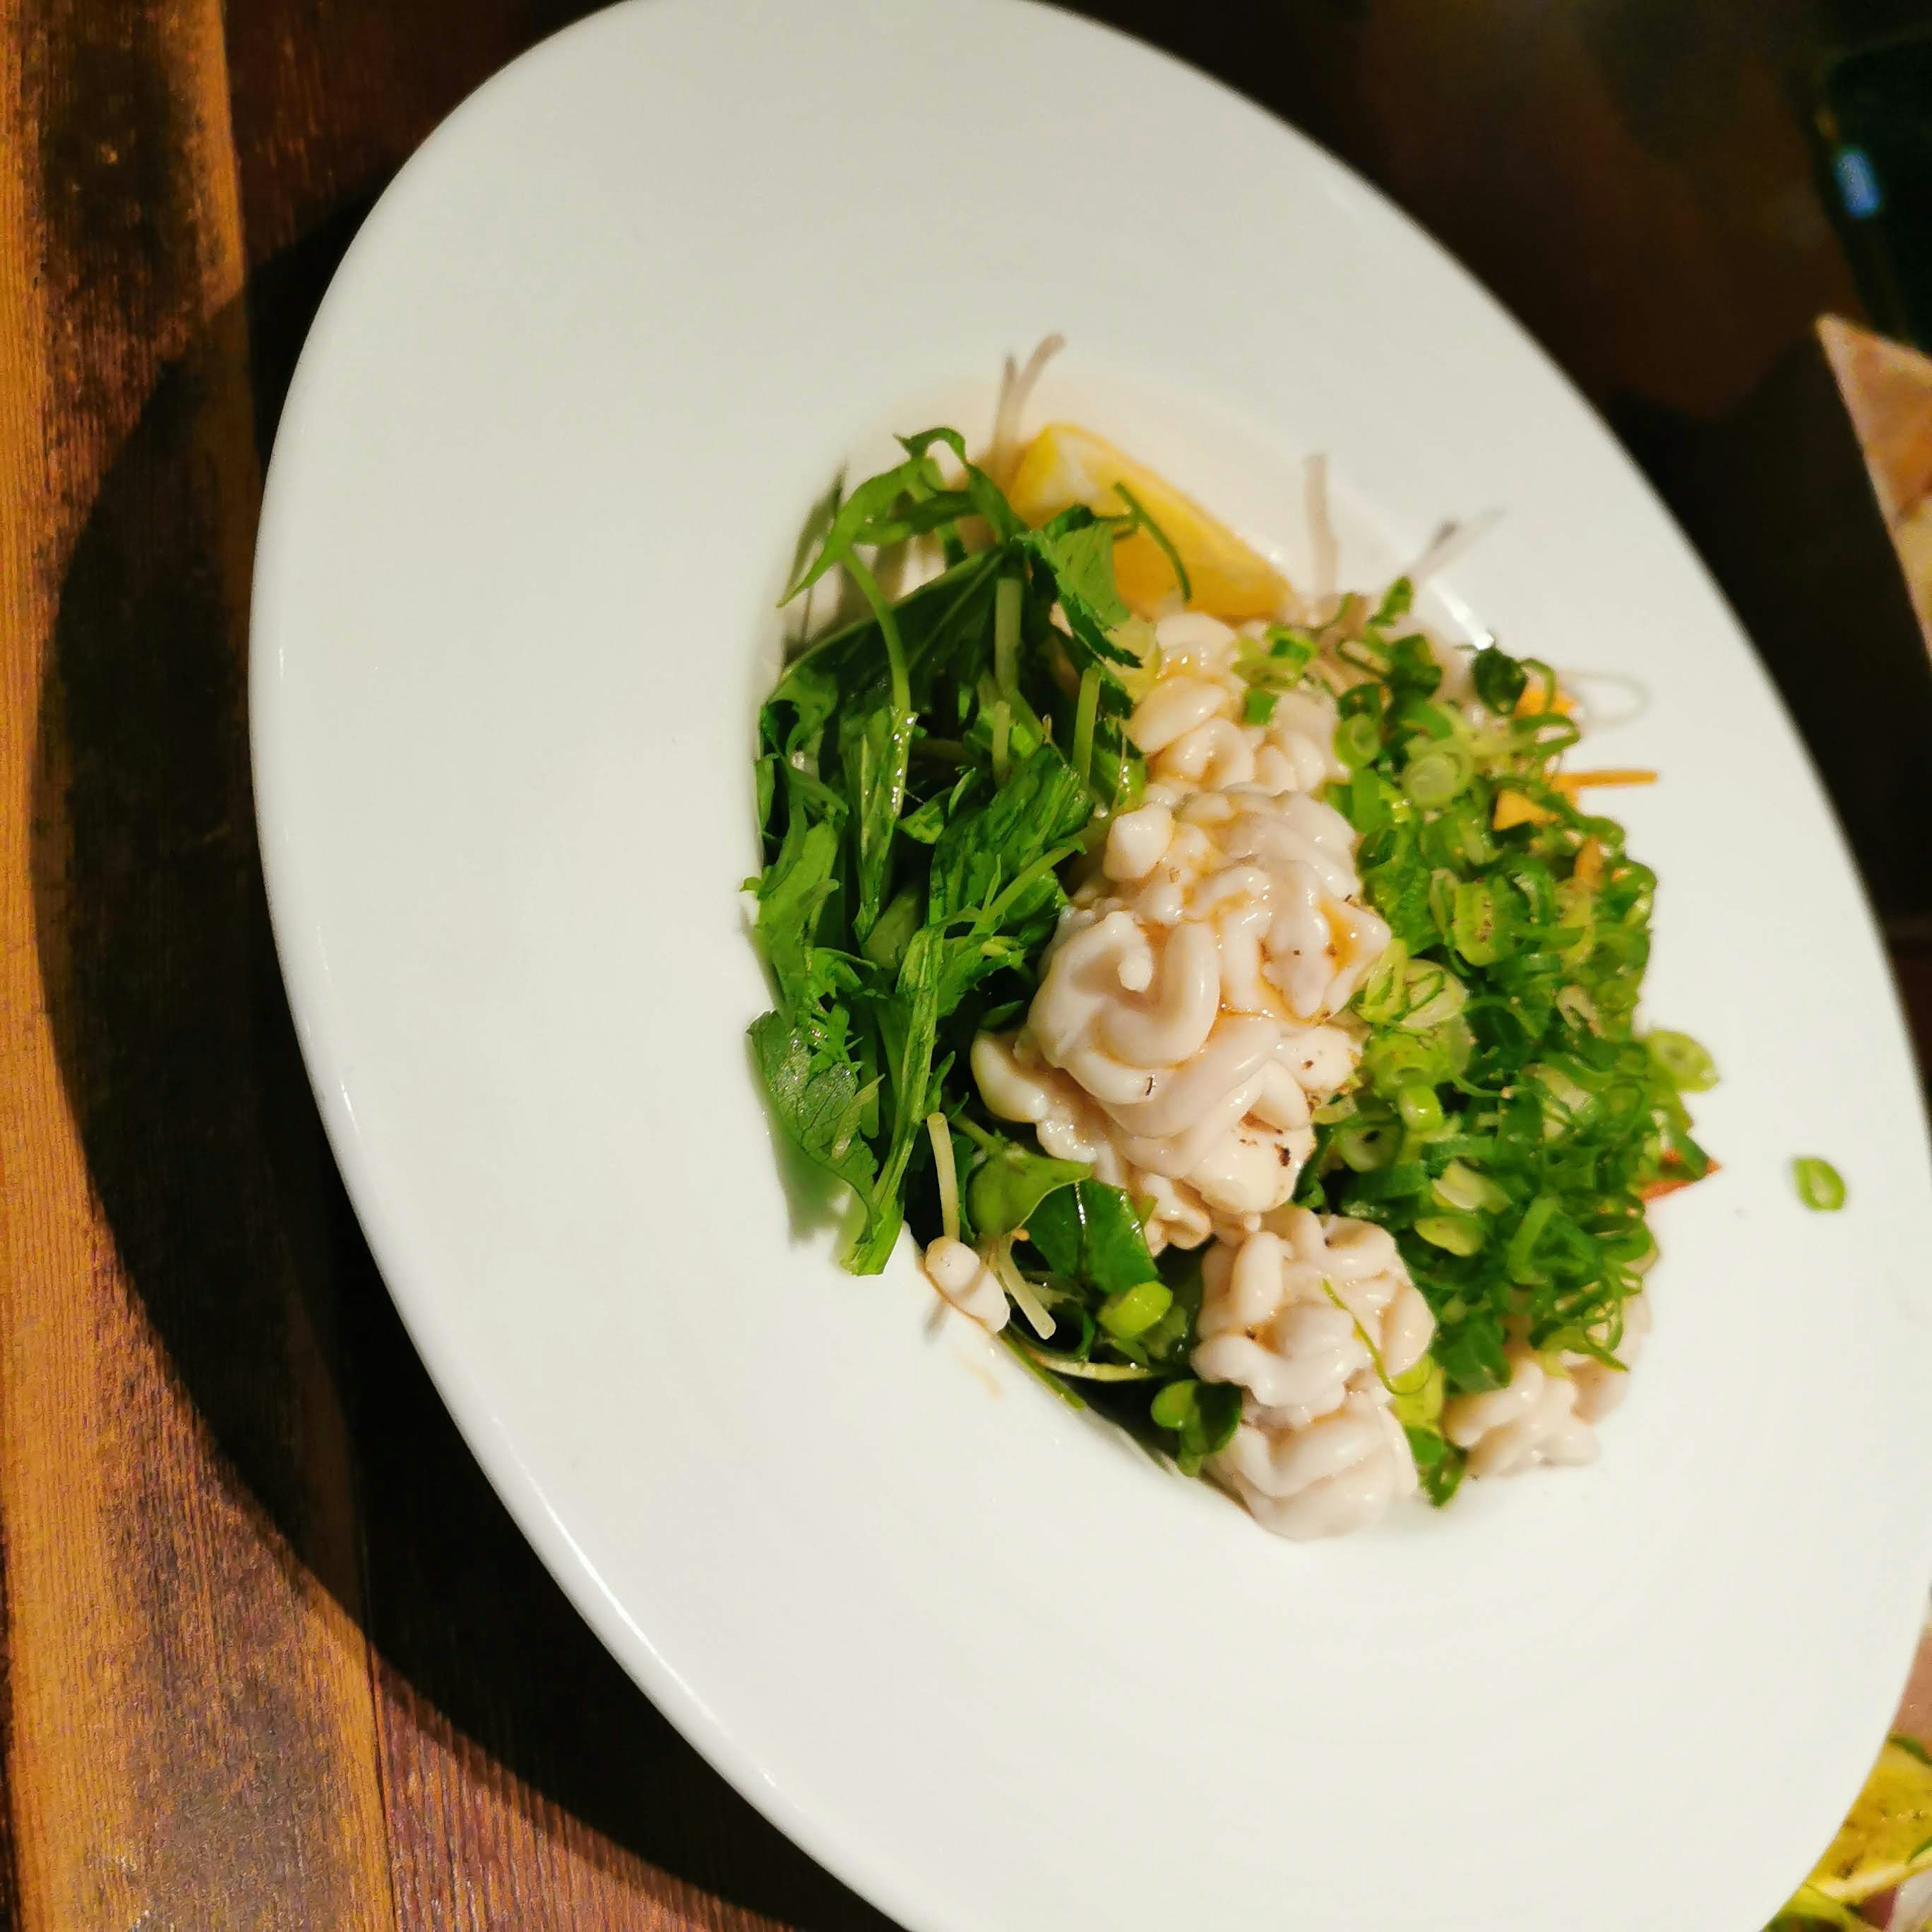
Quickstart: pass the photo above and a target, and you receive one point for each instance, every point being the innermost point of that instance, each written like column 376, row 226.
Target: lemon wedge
column 1065, row 464
column 1888, row 1836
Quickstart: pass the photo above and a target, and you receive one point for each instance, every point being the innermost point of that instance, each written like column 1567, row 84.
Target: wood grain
column 190, row 1728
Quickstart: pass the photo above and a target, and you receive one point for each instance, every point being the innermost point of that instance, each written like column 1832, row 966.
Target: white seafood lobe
column 959, row 1273
column 1321, row 1057
column 1195, row 641
column 1339, row 1472
column 1011, row 1091
column 1174, row 1098
column 1188, row 1021
column 1137, row 841
column 1173, row 1023
column 1176, row 706
column 1534, row 1419
column 1215, row 753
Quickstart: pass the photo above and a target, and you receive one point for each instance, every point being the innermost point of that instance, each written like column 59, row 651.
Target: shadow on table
column 203, row 1144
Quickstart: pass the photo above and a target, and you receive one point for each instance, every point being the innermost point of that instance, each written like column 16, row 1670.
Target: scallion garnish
column 1509, row 1120
column 1820, row 1186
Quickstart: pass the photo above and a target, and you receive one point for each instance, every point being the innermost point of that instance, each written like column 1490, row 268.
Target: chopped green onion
column 1412, row 665
column 1396, row 602
column 1135, row 1310
column 1384, row 993
column 1203, row 1415
column 1461, row 1186
column 1396, row 1059
column 1690, row 1068
column 1434, row 778
column 1820, row 1186
column 1577, row 1006
column 1392, row 1183
column 1479, row 922
column 1437, row 996
column 1519, row 1261
column 1418, row 1394
column 1457, row 1234
column 1293, row 650
column 1421, row 1109
column 1258, row 707
column 1365, row 1149
column 1358, row 739
column 1432, row 721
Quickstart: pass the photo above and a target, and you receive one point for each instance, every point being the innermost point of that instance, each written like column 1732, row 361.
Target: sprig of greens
column 918, row 792
column 923, row 774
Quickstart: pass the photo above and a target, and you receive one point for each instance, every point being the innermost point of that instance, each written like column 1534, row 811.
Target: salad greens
column 924, row 773
column 921, row 775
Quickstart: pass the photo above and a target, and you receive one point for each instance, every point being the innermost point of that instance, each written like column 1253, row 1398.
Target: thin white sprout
column 1605, row 699
column 1325, row 553
column 1092, row 1372
column 1016, row 1284
column 1001, row 441
column 949, row 1174
column 1016, row 388
column 1449, row 543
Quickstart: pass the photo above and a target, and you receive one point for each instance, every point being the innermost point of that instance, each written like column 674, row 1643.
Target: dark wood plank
column 331, row 97
column 190, row 1733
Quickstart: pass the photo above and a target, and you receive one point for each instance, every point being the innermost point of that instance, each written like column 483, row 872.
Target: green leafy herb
column 1091, row 1234
column 915, row 808
column 816, row 1097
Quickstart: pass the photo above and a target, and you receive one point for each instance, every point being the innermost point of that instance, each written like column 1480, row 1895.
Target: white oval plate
column 536, row 486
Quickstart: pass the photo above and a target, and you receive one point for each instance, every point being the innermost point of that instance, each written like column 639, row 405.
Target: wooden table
column 274, row 1656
